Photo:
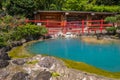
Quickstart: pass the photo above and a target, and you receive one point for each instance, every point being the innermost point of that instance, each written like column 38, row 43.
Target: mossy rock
column 55, row 74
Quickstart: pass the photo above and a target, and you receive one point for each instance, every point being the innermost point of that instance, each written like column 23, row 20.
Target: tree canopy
column 27, row 7
column 20, row 7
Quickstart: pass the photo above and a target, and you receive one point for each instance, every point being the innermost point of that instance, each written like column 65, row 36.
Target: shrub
column 111, row 30
column 28, row 31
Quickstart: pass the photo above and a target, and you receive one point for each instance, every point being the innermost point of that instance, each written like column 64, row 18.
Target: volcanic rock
column 44, row 75
column 21, row 76
column 3, row 63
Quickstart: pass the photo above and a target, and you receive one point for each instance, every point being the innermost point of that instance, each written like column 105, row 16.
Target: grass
column 87, row 68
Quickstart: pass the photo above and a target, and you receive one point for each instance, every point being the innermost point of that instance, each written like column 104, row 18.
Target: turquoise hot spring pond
column 103, row 56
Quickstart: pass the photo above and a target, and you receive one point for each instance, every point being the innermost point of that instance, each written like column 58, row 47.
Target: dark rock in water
column 19, row 61
column 21, row 76
column 3, row 63
column 44, row 75
column 47, row 62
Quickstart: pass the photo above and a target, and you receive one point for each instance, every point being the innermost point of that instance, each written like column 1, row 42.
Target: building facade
column 72, row 21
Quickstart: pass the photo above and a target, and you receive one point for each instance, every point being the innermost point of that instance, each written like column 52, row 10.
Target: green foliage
column 89, row 5
column 53, row 7
column 27, row 7
column 105, row 2
column 9, row 22
column 111, row 29
column 2, row 41
column 49, row 4
column 75, row 5
column 28, row 31
column 111, row 19
column 14, row 28
column 118, row 18
column 20, row 7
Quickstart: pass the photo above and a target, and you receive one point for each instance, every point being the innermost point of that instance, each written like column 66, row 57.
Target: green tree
column 49, row 4
column 75, row 5
column 105, row 2
column 9, row 22
column 114, row 20
column 21, row 7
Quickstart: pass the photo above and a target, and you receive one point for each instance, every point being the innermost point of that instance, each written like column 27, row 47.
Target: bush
column 111, row 30
column 111, row 19
column 28, row 31
column 2, row 41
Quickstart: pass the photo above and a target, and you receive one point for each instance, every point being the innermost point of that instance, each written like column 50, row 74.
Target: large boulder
column 21, row 76
column 44, row 75
column 19, row 61
column 3, row 63
column 47, row 62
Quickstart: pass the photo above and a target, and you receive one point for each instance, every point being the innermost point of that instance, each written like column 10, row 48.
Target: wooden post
column 82, row 26
column 101, row 25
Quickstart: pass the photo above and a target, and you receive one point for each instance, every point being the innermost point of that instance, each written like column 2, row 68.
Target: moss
column 19, row 52
column 87, row 68
column 55, row 74
column 32, row 62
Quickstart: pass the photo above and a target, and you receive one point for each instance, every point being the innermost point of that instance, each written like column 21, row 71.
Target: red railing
column 73, row 26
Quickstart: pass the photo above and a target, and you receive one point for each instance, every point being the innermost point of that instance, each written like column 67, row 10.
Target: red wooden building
column 72, row 21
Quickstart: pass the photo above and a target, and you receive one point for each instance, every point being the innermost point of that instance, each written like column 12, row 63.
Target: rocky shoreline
column 43, row 68
column 39, row 67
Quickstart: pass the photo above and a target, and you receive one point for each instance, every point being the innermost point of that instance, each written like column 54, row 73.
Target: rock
column 4, row 56
column 23, row 40
column 44, row 75
column 21, row 76
column 7, row 48
column 19, row 61
column 47, row 62
column 3, row 74
column 99, row 36
column 16, row 43
column 3, row 63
